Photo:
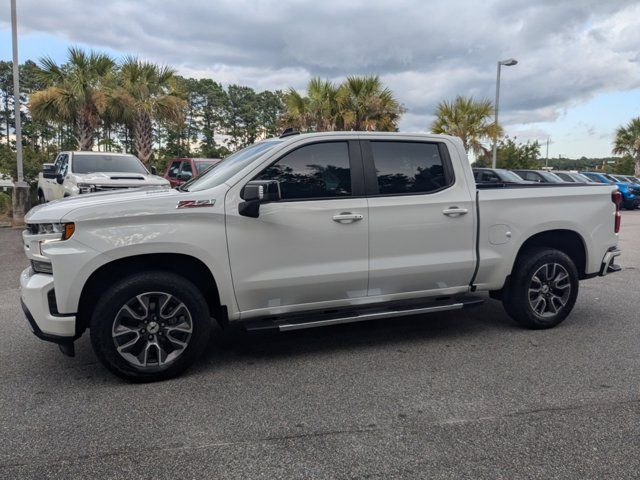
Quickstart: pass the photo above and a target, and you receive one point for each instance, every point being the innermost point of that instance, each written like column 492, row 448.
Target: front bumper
column 34, row 292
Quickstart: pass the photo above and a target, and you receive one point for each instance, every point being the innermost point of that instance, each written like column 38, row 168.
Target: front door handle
column 347, row 217
column 455, row 211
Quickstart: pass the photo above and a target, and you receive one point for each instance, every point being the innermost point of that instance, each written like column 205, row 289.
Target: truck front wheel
column 150, row 326
column 543, row 288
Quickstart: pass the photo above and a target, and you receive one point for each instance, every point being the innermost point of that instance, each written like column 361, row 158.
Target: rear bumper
column 608, row 265
column 34, row 290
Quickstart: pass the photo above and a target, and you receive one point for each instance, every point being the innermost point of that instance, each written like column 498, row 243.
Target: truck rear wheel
column 150, row 326
column 543, row 288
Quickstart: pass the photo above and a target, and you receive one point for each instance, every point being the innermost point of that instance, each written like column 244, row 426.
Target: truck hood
column 119, row 179
column 136, row 197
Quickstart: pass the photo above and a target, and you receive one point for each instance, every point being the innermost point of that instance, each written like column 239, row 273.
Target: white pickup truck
column 305, row 231
column 74, row 173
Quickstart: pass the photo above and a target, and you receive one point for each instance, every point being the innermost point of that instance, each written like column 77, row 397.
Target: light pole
column 507, row 63
column 20, row 188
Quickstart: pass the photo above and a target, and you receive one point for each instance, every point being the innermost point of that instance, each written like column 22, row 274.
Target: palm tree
column 627, row 142
column 297, row 114
column 468, row 119
column 360, row 103
column 145, row 95
column 323, row 104
column 75, row 93
column 365, row 104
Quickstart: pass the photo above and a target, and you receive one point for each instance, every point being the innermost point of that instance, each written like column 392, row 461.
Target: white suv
column 74, row 173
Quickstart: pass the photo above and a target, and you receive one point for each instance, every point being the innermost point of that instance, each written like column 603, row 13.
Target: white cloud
column 568, row 50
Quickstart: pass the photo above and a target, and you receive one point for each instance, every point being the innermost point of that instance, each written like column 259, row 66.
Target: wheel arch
column 567, row 241
column 184, row 265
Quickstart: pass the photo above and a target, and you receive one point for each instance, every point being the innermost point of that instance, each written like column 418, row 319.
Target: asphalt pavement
column 453, row 395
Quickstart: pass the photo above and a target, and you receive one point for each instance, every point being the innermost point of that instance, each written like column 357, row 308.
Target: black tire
column 524, row 305
column 107, row 316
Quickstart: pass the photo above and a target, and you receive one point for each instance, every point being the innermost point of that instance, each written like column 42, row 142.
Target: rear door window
column 409, row 167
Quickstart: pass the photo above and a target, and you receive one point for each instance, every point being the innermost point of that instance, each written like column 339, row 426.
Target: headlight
column 45, row 228
column 86, row 188
column 65, row 230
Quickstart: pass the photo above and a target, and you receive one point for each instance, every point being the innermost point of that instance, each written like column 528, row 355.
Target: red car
column 181, row 170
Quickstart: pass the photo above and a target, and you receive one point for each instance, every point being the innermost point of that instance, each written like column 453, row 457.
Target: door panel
column 418, row 241
column 296, row 253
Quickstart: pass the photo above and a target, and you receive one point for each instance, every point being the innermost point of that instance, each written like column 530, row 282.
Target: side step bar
column 300, row 321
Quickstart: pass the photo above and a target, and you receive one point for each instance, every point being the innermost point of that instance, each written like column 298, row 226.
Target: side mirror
column 60, row 178
column 256, row 192
column 48, row 170
column 184, row 177
column 154, row 170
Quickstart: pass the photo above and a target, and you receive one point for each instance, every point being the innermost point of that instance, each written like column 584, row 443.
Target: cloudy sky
column 577, row 79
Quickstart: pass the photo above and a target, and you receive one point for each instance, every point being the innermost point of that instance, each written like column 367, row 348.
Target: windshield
column 551, row 177
column 567, row 177
column 509, row 176
column 90, row 163
column 228, row 167
column 582, row 178
column 611, row 178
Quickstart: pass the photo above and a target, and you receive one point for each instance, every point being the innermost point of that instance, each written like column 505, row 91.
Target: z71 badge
column 196, row 203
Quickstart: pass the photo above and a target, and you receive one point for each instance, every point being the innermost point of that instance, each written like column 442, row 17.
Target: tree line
column 91, row 101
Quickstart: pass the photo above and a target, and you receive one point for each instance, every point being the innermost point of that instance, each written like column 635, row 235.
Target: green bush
column 5, row 203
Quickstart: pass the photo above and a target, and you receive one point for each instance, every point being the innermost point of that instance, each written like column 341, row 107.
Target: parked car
column 182, row 170
column 630, row 199
column 538, row 176
column 633, row 179
column 75, row 173
column 496, row 175
column 630, row 183
column 306, row 231
column 572, row 177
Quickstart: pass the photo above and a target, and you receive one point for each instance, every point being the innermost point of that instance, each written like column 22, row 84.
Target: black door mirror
column 154, row 170
column 48, row 170
column 59, row 178
column 183, row 177
column 256, row 192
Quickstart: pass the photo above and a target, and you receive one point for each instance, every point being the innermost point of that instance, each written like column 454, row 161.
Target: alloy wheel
column 549, row 290
column 152, row 330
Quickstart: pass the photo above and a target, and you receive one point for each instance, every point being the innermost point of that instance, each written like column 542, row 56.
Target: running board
column 314, row 319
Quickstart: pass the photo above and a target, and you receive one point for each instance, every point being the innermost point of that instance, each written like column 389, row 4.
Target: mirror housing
column 256, row 192
column 184, row 177
column 154, row 170
column 48, row 170
column 59, row 178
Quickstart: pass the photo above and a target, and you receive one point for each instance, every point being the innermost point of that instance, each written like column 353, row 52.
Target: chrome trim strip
column 285, row 327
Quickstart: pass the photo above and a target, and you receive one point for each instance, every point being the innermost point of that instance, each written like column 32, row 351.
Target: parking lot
column 451, row 395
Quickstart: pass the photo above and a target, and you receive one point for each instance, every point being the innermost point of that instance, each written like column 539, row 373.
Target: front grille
column 53, row 305
column 108, row 188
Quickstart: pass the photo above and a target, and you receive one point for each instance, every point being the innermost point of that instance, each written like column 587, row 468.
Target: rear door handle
column 454, row 211
column 347, row 217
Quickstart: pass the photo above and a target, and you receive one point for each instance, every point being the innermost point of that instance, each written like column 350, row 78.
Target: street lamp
column 507, row 63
